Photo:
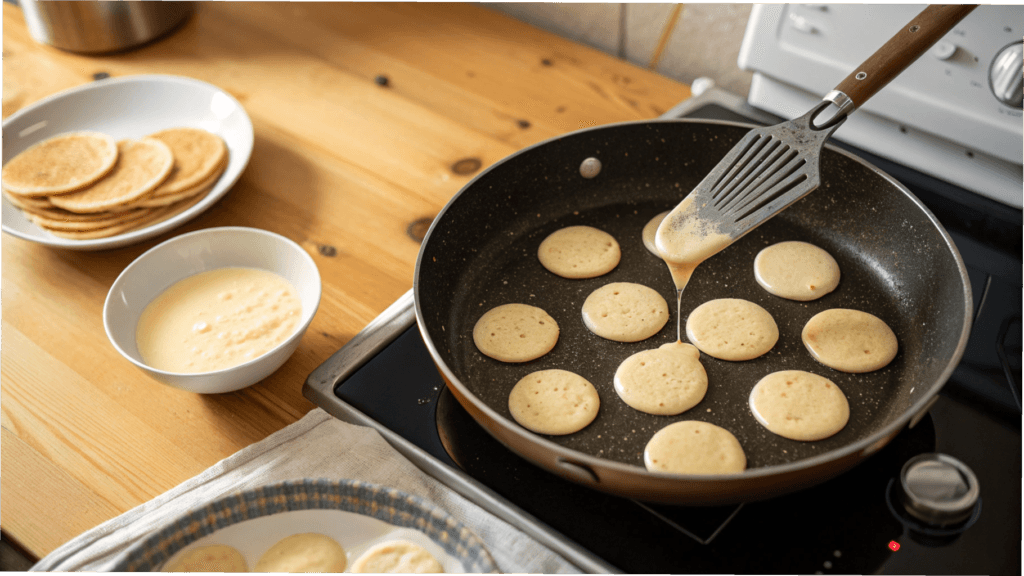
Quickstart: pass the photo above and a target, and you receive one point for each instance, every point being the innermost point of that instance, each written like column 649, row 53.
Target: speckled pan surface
column 356, row 514
column 896, row 263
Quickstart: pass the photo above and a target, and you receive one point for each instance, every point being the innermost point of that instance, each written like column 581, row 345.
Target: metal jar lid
column 938, row 489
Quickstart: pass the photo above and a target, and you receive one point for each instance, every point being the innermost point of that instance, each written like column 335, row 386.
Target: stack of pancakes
column 84, row 185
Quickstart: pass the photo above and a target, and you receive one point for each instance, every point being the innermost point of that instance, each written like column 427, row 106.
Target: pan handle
column 894, row 57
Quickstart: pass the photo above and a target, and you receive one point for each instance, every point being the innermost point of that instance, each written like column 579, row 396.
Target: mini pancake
column 799, row 405
column 650, row 231
column 153, row 217
column 515, row 333
column 849, row 340
column 732, row 329
column 692, row 447
column 397, row 557
column 665, row 381
column 555, row 402
column 107, row 220
column 141, row 166
column 60, row 215
column 28, row 202
column 308, row 552
column 158, row 198
column 216, row 558
column 625, row 312
column 60, row 164
column 198, row 154
column 579, row 252
column 796, row 271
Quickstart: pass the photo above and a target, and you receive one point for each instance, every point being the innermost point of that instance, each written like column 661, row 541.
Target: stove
column 856, row 523
column 862, row 521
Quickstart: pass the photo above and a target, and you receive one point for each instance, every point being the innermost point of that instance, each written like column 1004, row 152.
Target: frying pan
column 896, row 260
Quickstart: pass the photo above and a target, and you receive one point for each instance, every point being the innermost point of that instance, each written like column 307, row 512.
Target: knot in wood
column 466, row 166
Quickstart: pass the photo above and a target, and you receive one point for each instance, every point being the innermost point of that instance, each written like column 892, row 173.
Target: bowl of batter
column 214, row 310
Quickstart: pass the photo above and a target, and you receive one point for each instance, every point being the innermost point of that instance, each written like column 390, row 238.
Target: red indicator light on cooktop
column 894, row 545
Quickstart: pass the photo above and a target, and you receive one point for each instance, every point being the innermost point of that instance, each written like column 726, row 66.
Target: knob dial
column 1006, row 75
column 938, row 489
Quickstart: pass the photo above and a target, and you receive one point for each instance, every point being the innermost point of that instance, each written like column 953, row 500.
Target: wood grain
column 351, row 169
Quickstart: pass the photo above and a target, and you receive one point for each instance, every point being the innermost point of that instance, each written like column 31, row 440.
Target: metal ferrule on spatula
column 771, row 168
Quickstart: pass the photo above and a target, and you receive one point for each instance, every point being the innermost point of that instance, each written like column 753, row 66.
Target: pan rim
column 867, row 445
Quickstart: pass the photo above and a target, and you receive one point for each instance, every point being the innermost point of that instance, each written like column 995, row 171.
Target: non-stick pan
column 896, row 260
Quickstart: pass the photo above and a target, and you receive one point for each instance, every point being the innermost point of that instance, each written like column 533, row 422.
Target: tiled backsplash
column 703, row 41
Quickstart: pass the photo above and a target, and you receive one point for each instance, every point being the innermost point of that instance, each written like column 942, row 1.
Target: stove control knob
column 938, row 489
column 1006, row 75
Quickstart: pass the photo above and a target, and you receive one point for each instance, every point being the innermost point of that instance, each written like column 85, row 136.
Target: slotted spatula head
column 767, row 170
column 770, row 168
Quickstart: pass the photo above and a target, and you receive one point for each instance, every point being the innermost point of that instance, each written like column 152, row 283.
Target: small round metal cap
column 938, row 489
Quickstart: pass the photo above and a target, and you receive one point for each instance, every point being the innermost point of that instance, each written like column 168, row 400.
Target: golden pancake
column 142, row 165
column 155, row 216
column 197, row 155
column 103, row 221
column 28, row 202
column 169, row 198
column 60, row 164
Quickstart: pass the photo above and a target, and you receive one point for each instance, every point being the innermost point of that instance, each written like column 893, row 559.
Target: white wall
column 704, row 41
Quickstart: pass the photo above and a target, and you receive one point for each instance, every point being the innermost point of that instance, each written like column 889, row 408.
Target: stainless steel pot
column 96, row 27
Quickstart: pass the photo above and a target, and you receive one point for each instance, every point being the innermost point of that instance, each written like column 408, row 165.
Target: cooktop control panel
column 955, row 113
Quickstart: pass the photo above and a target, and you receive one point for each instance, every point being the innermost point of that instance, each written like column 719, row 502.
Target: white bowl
column 129, row 107
column 189, row 254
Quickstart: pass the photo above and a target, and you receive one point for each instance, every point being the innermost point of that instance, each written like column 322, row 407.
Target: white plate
column 356, row 514
column 129, row 107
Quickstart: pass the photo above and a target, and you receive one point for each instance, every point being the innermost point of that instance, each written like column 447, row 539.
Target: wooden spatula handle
column 901, row 50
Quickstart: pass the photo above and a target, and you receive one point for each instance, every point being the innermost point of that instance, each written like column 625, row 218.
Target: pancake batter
column 217, row 319
column 692, row 447
column 732, row 329
column 515, row 333
column 850, row 340
column 665, row 381
column 625, row 312
column 799, row 405
column 796, row 271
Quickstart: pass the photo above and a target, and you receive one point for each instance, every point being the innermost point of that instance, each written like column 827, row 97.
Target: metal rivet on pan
column 861, row 75
column 590, row 167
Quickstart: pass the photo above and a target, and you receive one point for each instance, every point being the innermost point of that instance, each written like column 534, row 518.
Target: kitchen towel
column 317, row 446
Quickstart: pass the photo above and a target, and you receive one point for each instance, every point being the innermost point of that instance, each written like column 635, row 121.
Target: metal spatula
column 771, row 168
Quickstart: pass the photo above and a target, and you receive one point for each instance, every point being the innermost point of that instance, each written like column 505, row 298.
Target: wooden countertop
column 351, row 170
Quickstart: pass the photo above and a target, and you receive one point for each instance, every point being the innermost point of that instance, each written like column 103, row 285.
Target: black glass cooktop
column 851, row 524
